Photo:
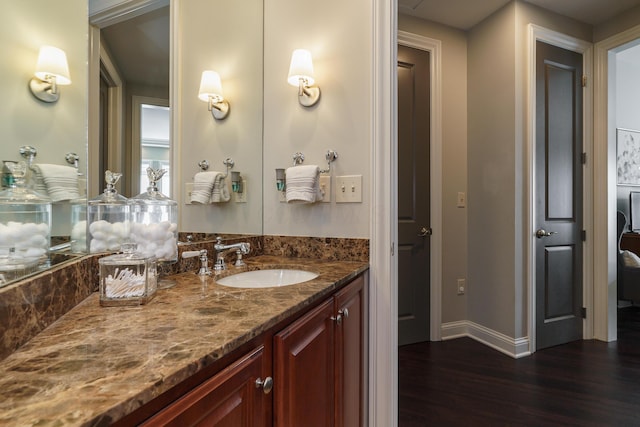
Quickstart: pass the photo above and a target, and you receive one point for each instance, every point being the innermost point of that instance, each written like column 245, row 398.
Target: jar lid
column 128, row 256
column 110, row 194
column 153, row 195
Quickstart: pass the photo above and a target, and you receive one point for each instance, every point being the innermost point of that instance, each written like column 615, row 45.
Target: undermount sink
column 266, row 278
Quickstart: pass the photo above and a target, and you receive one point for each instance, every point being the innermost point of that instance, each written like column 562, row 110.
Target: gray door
column 558, row 180
column 413, row 195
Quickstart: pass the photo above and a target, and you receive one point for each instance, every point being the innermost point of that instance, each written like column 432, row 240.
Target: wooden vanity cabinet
column 228, row 399
column 318, row 364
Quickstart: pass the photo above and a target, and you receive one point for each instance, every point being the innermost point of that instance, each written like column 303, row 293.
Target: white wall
column 627, row 108
column 218, row 35
column 339, row 35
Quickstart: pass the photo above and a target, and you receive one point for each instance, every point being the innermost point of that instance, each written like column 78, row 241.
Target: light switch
column 325, row 187
column 349, row 189
column 188, row 189
column 462, row 199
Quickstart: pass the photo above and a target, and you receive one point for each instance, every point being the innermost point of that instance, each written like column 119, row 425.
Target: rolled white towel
column 303, row 184
column 60, row 182
column 203, row 186
column 220, row 191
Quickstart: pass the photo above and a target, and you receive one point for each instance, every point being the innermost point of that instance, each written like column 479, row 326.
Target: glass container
column 108, row 218
column 78, row 225
column 128, row 278
column 154, row 222
column 25, row 225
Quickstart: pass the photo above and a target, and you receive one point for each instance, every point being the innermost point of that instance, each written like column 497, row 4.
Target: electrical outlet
column 241, row 197
column 349, row 189
column 462, row 286
column 188, row 188
column 325, row 187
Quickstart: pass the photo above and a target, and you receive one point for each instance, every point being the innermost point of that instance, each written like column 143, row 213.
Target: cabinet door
column 349, row 355
column 230, row 398
column 304, row 370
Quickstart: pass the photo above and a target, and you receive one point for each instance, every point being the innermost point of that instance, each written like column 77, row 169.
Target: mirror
column 54, row 129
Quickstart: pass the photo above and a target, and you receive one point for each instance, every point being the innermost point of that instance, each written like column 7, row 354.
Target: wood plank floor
column 464, row 383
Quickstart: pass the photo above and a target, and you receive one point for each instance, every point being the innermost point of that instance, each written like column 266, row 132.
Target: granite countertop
column 97, row 364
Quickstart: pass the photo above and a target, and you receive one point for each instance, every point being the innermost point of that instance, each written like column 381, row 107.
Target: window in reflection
column 155, row 145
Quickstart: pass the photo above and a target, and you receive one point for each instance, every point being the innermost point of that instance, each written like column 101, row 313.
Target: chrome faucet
column 242, row 248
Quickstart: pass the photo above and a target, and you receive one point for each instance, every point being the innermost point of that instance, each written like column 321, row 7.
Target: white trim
column 383, row 333
column 434, row 47
column 514, row 347
column 175, row 97
column 604, row 193
column 564, row 41
column 125, row 9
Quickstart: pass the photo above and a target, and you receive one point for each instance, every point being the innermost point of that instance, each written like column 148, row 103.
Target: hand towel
column 303, row 184
column 60, row 182
column 220, row 191
column 203, row 186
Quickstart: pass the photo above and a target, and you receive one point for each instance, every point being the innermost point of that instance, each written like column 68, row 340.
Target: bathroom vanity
column 271, row 356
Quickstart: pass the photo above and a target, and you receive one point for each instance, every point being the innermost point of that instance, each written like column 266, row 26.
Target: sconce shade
column 210, row 87
column 52, row 62
column 301, row 67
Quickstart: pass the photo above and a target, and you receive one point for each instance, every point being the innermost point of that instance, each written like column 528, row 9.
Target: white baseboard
column 514, row 347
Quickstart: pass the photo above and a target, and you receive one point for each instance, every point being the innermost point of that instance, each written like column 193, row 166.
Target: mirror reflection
column 58, row 130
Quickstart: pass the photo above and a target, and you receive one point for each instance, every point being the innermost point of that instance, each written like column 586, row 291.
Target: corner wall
column 454, row 158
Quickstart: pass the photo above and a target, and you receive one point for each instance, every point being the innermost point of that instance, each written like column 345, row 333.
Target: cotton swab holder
column 128, row 278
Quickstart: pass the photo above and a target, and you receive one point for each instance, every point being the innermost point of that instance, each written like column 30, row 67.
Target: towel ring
column 331, row 156
column 229, row 163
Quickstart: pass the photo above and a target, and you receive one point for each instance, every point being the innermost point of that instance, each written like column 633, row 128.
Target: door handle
column 540, row 233
column 424, row 231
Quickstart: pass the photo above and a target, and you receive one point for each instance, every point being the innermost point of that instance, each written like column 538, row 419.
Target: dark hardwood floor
column 464, row 383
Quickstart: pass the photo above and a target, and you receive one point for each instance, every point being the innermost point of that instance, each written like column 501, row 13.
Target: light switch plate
column 462, row 199
column 325, row 186
column 241, row 197
column 188, row 188
column 349, row 189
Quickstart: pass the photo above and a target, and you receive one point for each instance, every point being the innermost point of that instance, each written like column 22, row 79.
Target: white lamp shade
column 210, row 86
column 53, row 62
column 301, row 67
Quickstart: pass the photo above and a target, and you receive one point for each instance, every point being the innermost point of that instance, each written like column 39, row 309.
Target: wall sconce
column 52, row 70
column 211, row 92
column 236, row 182
column 280, row 179
column 301, row 75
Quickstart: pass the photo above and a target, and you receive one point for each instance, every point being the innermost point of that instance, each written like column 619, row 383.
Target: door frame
column 434, row 47
column 538, row 33
column 605, row 247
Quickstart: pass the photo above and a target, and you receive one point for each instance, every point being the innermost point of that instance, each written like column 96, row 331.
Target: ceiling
column 140, row 48
column 464, row 14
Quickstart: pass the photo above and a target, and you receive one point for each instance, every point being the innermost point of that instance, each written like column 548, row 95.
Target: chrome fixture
column 52, row 70
column 301, row 75
column 204, row 269
column 28, row 153
column 211, row 92
column 242, row 248
column 203, row 165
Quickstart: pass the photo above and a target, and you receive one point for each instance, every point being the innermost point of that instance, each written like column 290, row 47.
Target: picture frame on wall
column 628, row 156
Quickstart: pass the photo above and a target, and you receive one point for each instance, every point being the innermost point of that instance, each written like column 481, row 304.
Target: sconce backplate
column 310, row 96
column 42, row 90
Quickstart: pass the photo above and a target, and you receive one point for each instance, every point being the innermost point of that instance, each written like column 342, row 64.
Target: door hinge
column 584, row 158
column 583, row 312
column 584, row 235
column 584, row 81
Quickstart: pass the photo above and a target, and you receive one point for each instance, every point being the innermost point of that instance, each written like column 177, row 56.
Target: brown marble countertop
column 97, row 364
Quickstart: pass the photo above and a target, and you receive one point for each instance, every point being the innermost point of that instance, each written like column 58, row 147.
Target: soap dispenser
column 108, row 218
column 154, row 224
column 25, row 224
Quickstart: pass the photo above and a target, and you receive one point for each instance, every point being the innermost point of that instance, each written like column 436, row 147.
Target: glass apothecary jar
column 25, row 224
column 78, row 225
column 108, row 218
column 154, row 221
column 128, row 278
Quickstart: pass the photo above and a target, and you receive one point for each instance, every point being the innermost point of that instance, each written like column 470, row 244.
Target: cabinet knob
column 266, row 384
column 337, row 319
column 344, row 312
